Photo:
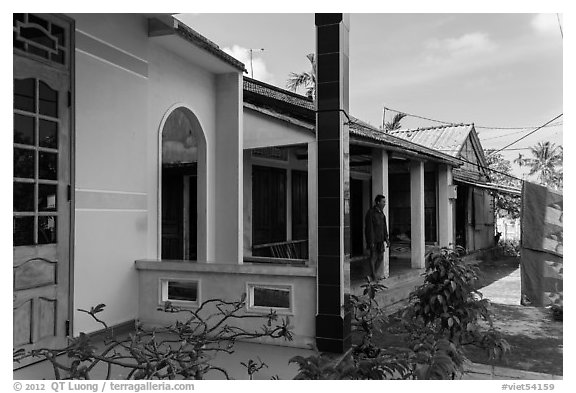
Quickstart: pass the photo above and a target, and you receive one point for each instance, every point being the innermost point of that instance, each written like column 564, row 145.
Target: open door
column 41, row 181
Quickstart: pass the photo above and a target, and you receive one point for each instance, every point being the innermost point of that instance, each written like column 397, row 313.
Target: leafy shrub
column 509, row 248
column 447, row 305
column 444, row 315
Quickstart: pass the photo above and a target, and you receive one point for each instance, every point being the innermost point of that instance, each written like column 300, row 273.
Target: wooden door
column 461, row 215
column 299, row 205
column 193, row 218
column 268, row 205
column 172, row 214
column 41, row 205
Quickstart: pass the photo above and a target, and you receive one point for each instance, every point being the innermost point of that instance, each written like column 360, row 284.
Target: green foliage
column 506, row 205
column 395, row 123
column 181, row 350
column 447, row 305
column 546, row 162
column 253, row 367
column 448, row 301
column 509, row 248
column 306, row 79
column 443, row 316
column 367, row 316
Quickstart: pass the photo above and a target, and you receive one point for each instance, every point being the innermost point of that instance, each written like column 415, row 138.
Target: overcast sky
column 495, row 70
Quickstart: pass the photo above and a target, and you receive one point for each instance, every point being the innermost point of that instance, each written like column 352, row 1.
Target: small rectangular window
column 182, row 292
column 263, row 297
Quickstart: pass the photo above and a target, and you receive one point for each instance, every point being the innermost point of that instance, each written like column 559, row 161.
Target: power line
column 490, row 169
column 517, row 132
column 527, row 135
column 517, row 148
column 419, row 117
column 455, row 123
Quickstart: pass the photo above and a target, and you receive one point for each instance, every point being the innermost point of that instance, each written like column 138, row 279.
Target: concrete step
column 398, row 290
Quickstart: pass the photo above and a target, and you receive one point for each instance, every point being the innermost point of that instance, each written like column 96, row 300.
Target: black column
column 333, row 319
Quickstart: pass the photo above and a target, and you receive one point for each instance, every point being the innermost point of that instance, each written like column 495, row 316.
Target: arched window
column 182, row 158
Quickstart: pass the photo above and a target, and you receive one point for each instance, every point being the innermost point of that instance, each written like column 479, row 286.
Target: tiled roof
column 199, row 40
column 276, row 93
column 448, row 139
column 275, row 98
column 361, row 129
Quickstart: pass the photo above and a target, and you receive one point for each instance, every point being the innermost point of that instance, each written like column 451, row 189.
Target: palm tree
column 306, row 79
column 546, row 163
column 395, row 123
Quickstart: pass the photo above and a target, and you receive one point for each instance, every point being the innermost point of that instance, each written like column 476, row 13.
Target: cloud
column 546, row 23
column 467, row 46
column 243, row 54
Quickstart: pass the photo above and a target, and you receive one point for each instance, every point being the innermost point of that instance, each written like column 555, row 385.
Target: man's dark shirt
column 375, row 227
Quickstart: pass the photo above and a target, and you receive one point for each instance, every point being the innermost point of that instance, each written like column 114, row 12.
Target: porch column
column 226, row 205
column 333, row 319
column 312, row 203
column 247, row 168
column 380, row 186
column 417, row 214
column 445, row 207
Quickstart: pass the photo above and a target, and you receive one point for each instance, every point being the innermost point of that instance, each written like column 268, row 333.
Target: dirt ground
column 536, row 340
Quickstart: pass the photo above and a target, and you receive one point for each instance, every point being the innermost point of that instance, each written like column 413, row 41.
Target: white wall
column 126, row 85
column 261, row 130
column 175, row 83
column 227, row 199
column 228, row 282
column 111, row 184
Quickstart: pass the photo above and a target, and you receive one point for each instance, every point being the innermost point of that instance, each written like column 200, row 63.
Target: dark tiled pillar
column 333, row 319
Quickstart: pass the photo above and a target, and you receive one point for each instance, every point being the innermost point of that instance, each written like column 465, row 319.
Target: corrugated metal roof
column 362, row 129
column 490, row 186
column 448, row 139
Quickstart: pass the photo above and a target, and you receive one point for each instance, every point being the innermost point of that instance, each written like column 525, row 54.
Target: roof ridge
column 431, row 127
column 278, row 89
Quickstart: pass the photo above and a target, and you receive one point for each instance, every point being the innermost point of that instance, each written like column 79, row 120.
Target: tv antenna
column 251, row 67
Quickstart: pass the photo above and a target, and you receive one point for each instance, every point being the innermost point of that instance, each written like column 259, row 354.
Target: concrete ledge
column 246, row 268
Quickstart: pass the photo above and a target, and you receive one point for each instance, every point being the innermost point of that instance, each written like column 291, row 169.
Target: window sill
column 246, row 268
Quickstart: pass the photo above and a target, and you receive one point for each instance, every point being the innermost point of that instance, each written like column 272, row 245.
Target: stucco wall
column 262, row 130
column 125, row 86
column 228, row 283
column 111, row 187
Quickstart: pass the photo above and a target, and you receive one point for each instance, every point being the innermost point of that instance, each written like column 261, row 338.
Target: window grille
column 41, row 37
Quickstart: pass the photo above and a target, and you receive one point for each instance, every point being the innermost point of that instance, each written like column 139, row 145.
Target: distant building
column 474, row 218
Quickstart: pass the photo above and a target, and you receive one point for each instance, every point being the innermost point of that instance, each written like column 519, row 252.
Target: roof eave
column 168, row 26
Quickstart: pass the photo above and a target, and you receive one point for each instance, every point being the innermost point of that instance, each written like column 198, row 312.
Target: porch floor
column 359, row 269
column 401, row 282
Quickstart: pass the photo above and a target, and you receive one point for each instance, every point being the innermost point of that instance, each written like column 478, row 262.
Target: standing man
column 376, row 233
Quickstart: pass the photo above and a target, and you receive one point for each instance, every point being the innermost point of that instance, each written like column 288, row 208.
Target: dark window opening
column 268, row 205
column 271, row 297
